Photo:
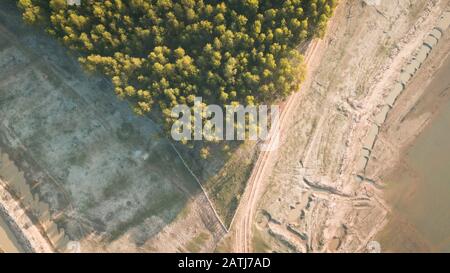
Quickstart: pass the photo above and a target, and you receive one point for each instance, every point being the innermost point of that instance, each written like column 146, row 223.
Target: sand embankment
column 407, row 73
column 354, row 81
column 23, row 242
column 23, row 228
column 411, row 159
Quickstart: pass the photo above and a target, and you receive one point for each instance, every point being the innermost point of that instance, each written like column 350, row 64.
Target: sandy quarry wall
column 21, row 238
column 17, row 202
column 406, row 75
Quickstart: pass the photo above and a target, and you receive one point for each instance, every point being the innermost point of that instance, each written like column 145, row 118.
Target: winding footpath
column 241, row 226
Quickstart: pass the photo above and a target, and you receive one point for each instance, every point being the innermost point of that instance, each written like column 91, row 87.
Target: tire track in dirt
column 241, row 225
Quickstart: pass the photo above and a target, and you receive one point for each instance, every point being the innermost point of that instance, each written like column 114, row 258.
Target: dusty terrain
column 316, row 198
column 90, row 171
column 28, row 236
column 410, row 160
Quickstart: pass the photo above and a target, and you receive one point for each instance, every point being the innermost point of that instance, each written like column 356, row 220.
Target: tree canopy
column 161, row 53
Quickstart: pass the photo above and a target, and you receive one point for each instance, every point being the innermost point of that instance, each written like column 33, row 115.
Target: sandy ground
column 242, row 222
column 26, row 235
column 415, row 113
column 304, row 197
column 312, row 201
column 8, row 241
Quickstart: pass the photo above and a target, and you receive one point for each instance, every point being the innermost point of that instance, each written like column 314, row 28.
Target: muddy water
column 419, row 188
column 8, row 242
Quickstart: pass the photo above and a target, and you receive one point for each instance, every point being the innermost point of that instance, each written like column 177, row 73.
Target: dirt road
column 312, row 201
column 241, row 227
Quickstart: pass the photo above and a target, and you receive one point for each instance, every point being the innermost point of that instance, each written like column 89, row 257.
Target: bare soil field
column 108, row 180
column 411, row 160
column 314, row 199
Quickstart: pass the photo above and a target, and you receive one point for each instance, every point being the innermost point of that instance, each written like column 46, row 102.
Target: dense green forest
column 161, row 53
